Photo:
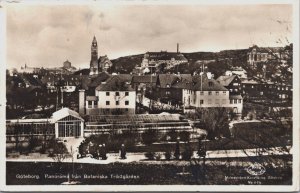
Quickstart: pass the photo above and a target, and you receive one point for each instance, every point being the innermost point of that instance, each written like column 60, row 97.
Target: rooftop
column 64, row 112
column 203, row 83
column 226, row 80
column 115, row 83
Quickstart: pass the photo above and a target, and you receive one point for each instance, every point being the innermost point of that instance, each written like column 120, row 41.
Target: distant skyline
column 48, row 35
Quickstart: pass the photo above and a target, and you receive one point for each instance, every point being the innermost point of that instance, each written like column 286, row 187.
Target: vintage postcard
column 149, row 95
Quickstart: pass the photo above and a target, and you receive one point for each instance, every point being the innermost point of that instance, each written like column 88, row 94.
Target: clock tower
column 94, row 67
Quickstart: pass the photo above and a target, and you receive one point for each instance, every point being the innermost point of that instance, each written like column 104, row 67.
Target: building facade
column 113, row 96
column 154, row 59
column 206, row 92
column 257, row 55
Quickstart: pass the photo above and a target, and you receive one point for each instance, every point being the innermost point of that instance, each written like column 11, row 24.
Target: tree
column 59, row 151
column 184, row 136
column 17, row 131
column 214, row 120
column 188, row 152
column 177, row 150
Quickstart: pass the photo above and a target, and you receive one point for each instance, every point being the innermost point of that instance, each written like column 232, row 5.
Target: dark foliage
column 149, row 136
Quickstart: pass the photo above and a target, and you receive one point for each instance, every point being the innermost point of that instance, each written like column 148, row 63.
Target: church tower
column 94, row 67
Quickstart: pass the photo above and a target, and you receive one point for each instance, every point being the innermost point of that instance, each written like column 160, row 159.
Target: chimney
column 177, row 47
column 82, row 102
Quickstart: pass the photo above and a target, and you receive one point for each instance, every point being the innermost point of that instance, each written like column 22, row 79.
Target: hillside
column 216, row 62
column 126, row 64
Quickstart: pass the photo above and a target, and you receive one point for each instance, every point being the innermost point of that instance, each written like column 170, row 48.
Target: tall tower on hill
column 94, row 67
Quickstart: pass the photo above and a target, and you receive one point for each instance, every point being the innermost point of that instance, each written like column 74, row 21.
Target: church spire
column 94, row 39
column 94, row 67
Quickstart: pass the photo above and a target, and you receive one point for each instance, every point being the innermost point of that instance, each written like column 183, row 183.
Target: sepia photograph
column 132, row 93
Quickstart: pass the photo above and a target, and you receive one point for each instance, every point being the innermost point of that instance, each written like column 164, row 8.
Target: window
column 107, row 93
column 201, row 102
column 209, row 93
column 235, row 101
column 126, row 93
column 117, row 94
column 231, row 101
column 201, row 93
column 210, row 84
column 117, row 102
column 90, row 103
column 96, row 103
column 240, row 100
column 217, row 101
column 107, row 103
column 168, row 93
column 224, row 92
column 217, row 92
column 126, row 102
column 126, row 109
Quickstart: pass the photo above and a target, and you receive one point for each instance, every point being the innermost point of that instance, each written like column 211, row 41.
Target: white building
column 28, row 70
column 68, row 123
column 171, row 59
column 204, row 91
column 242, row 73
column 111, row 97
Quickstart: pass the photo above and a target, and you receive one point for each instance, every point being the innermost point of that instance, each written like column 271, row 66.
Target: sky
column 48, row 35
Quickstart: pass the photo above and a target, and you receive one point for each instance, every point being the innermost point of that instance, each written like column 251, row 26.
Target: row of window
column 117, row 102
column 217, row 101
column 90, row 103
column 209, row 92
column 223, row 101
column 235, row 101
column 30, row 128
column 69, row 129
column 270, row 86
column 117, row 93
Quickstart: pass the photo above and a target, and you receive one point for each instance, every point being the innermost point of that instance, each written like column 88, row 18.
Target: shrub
column 33, row 143
column 149, row 136
column 150, row 155
column 177, row 151
column 173, row 135
column 157, row 156
column 168, row 155
column 187, row 153
column 184, row 136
